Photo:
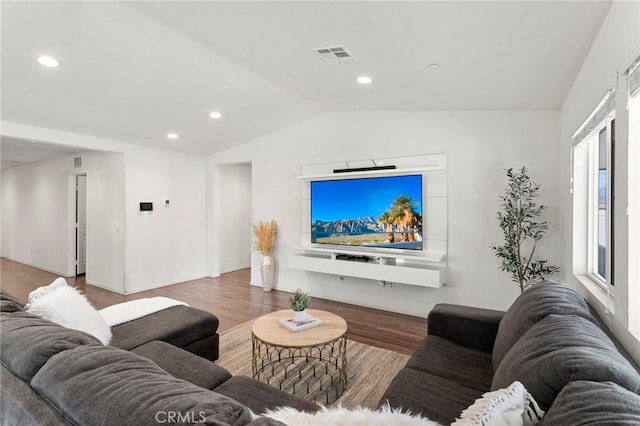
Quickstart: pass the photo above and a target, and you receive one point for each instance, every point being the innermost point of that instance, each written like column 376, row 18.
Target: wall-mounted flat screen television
column 373, row 212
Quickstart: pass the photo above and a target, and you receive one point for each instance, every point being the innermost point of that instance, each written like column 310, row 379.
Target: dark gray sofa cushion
column 98, row 385
column 8, row 303
column 441, row 357
column 179, row 325
column 184, row 365
column 471, row 327
column 546, row 298
column 439, row 399
column 260, row 397
column 558, row 350
column 20, row 405
column 9, row 306
column 208, row 347
column 28, row 342
column 584, row 403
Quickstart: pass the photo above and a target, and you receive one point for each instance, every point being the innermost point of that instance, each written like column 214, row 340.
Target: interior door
column 81, row 224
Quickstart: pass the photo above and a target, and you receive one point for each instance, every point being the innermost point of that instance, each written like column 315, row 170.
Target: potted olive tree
column 299, row 301
column 522, row 228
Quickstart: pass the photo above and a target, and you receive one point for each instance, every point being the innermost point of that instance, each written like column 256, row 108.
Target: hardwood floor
column 234, row 301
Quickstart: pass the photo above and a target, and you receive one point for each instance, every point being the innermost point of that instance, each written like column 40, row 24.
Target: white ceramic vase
column 268, row 272
column 299, row 316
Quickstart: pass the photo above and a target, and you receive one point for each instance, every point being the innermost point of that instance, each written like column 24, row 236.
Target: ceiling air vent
column 77, row 162
column 335, row 54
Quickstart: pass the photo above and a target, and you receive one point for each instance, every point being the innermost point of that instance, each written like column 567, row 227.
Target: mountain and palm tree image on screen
column 373, row 212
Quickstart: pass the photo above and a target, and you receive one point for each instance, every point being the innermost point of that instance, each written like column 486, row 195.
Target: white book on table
column 310, row 322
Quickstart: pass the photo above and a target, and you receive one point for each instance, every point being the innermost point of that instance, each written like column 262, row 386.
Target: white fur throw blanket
column 134, row 309
column 339, row 416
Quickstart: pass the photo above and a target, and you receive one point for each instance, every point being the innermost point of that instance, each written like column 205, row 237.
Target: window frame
column 607, row 282
column 633, row 205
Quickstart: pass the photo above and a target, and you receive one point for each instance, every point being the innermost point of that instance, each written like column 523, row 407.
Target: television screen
column 373, row 212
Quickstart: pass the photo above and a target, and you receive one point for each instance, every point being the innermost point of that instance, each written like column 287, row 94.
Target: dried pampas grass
column 266, row 233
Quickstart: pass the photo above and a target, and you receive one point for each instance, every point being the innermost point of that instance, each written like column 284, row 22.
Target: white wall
column 35, row 211
column 136, row 252
column 105, row 219
column 235, row 208
column 480, row 146
column 618, row 41
column 168, row 245
column 38, row 208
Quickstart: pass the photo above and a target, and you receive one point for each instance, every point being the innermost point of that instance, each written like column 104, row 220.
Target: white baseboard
column 60, row 274
column 164, row 284
column 103, row 286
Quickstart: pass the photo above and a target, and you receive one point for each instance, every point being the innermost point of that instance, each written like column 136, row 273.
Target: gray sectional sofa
column 54, row 375
column 549, row 340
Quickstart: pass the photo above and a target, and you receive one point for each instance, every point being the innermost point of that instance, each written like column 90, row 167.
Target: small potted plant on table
column 299, row 301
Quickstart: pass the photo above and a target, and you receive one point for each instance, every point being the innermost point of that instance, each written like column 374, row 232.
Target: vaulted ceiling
column 136, row 71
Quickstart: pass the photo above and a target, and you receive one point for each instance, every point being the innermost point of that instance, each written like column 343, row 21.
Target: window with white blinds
column 593, row 177
column 599, row 114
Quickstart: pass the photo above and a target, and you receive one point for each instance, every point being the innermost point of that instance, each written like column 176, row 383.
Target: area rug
column 369, row 369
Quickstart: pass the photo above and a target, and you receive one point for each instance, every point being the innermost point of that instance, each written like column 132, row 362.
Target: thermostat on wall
column 146, row 207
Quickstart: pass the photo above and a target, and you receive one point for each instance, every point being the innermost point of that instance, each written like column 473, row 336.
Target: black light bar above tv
column 364, row 169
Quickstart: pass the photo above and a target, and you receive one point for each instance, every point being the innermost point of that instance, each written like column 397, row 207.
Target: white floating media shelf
column 424, row 271
column 380, row 254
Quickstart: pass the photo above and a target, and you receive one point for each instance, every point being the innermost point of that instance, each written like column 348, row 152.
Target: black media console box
column 354, row 258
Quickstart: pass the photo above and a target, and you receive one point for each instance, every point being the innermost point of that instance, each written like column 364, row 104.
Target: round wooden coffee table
column 311, row 363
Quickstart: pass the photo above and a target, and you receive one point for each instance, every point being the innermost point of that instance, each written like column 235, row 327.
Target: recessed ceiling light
column 48, row 61
column 433, row 66
column 172, row 136
column 363, row 79
column 215, row 114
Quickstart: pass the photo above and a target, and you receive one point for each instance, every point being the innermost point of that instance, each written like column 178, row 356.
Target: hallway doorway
column 81, row 224
column 235, row 216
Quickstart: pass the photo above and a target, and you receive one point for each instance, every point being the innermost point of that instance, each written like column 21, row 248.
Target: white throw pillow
column 64, row 305
column 512, row 406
